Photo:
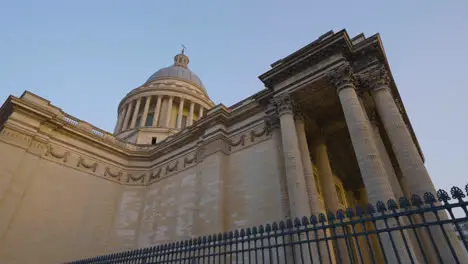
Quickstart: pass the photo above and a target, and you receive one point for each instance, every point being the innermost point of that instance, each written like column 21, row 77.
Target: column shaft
column 135, row 113
column 200, row 112
column 292, row 159
column 314, row 201
column 127, row 116
column 169, row 111
column 157, row 111
column 180, row 113
column 415, row 177
column 372, row 170
column 192, row 108
column 120, row 118
column 145, row 112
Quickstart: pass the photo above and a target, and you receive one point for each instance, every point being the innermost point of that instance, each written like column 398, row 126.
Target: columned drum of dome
column 170, row 100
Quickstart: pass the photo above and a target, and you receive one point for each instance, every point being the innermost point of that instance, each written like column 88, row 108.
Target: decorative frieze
column 257, row 134
column 116, row 175
column 85, row 164
column 155, row 175
column 189, row 159
column 136, row 179
column 172, row 168
column 97, row 167
column 57, row 154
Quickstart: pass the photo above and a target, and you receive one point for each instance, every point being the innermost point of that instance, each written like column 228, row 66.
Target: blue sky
column 84, row 56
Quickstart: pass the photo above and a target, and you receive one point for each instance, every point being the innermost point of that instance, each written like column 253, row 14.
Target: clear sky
column 84, row 56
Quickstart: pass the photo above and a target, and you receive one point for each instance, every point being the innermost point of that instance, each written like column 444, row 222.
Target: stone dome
column 179, row 70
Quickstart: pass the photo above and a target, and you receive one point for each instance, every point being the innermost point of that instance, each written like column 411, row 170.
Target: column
column 415, row 177
column 295, row 181
column 373, row 174
column 135, row 113
column 118, row 126
column 330, row 196
column 127, row 116
column 179, row 114
column 157, row 111
column 169, row 111
column 297, row 192
column 200, row 112
column 190, row 118
column 314, row 203
column 145, row 112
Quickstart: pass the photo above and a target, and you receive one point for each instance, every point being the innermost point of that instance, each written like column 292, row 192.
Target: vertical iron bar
column 356, row 239
column 431, row 237
column 283, row 236
column 377, row 232
column 335, row 239
column 392, row 241
column 324, row 229
column 405, row 241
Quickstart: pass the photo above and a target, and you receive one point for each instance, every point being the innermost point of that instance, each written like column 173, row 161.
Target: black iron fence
column 423, row 229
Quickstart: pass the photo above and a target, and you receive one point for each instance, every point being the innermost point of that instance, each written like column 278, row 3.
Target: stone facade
column 329, row 131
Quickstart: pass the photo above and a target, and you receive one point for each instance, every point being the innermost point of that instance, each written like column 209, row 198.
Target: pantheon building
column 327, row 130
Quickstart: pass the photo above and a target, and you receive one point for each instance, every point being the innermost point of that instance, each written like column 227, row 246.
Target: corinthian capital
column 377, row 78
column 284, row 104
column 342, row 76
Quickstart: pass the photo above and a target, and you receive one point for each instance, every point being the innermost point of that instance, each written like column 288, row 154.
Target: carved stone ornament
column 116, row 175
column 377, row 79
column 87, row 165
column 239, row 142
column 172, row 168
column 52, row 152
column 284, row 104
column 155, row 175
column 342, row 76
column 189, row 159
column 131, row 178
column 255, row 134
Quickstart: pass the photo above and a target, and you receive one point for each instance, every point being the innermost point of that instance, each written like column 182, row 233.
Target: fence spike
column 261, row 229
column 370, row 209
column 289, row 223
column 254, row 230
column 231, row 235
column 466, row 188
column 340, row 215
column 282, row 225
column 242, row 232
column 381, row 207
column 349, row 212
column 443, row 196
column 322, row 218
column 313, row 219
column 274, row 226
column 457, row 193
column 404, row 203
column 236, row 233
column 220, row 236
column 248, row 231
column 305, row 221
column 297, row 222
column 225, row 235
column 330, row 216
column 392, row 205
column 268, row 228
column 429, row 198
column 416, row 200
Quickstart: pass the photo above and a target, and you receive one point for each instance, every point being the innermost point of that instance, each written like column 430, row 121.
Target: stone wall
column 50, row 212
